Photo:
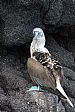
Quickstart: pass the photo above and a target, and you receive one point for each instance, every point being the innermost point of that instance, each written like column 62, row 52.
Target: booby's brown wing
column 40, row 74
column 41, row 71
column 43, row 76
column 50, row 63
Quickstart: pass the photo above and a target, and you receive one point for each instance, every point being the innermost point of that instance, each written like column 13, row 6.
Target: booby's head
column 38, row 34
column 38, row 42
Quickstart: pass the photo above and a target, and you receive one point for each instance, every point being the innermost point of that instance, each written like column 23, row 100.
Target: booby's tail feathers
column 61, row 90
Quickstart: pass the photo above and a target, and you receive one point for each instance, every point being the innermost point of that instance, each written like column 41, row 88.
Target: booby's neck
column 37, row 45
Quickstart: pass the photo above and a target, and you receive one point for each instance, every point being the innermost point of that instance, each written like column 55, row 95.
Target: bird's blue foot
column 36, row 88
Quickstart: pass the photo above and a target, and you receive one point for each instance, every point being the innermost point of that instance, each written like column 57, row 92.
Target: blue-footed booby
column 44, row 70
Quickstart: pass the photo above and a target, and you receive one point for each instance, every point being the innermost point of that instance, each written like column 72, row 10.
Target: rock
column 69, row 73
column 68, row 108
column 69, row 81
column 14, row 89
column 69, row 87
column 62, row 55
column 34, row 101
column 60, row 13
column 71, row 45
column 19, row 18
column 54, row 12
column 11, row 74
column 5, row 105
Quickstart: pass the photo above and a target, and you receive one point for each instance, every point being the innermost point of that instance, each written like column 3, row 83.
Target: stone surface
column 54, row 12
column 60, row 12
column 15, row 81
column 67, row 61
column 65, row 57
column 17, row 20
column 14, row 95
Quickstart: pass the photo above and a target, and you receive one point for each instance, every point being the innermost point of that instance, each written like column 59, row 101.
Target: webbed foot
column 37, row 88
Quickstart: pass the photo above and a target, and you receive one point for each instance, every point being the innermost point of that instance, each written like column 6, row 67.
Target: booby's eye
column 40, row 33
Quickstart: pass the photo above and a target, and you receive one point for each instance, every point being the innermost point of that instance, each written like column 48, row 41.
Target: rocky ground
column 17, row 20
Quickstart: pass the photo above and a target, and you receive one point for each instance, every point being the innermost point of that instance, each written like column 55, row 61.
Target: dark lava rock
column 34, row 102
column 60, row 13
column 67, row 61
column 5, row 105
column 14, row 94
column 71, row 45
column 19, row 18
column 11, row 72
column 54, row 13
column 62, row 55
column 15, row 81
